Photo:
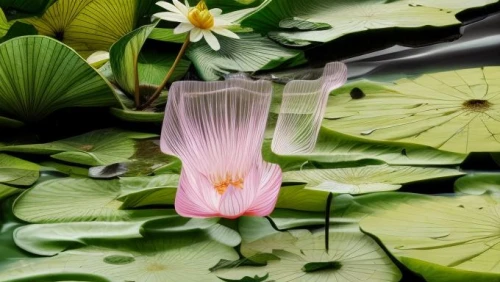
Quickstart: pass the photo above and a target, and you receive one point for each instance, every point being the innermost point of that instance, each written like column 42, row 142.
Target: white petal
column 182, row 8
column 172, row 17
column 183, row 27
column 225, row 32
column 169, row 7
column 221, row 23
column 195, row 35
column 215, row 12
column 187, row 4
column 211, row 40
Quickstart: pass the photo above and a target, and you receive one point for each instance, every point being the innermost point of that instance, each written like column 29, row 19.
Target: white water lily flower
column 198, row 20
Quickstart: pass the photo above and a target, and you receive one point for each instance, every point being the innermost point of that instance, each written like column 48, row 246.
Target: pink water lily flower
column 217, row 130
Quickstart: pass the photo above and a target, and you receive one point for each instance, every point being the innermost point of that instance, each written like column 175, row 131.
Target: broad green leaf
column 479, row 184
column 10, row 123
column 7, row 191
column 125, row 58
column 98, row 59
column 299, row 198
column 4, row 24
column 365, row 179
column 15, row 171
column 71, row 170
column 53, row 77
column 148, row 191
column 127, row 114
column 173, row 258
column 457, row 233
column 100, row 147
column 302, row 257
column 167, row 35
column 346, row 16
column 89, row 25
column 250, row 53
column 75, row 199
column 334, row 147
column 456, row 111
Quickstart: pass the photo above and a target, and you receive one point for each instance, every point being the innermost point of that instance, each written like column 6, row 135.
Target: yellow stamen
column 201, row 17
column 222, row 186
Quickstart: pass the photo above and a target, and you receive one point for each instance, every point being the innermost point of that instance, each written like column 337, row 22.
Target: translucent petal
column 195, row 196
column 302, row 111
column 195, row 35
column 268, row 187
column 211, row 40
column 183, row 27
column 181, row 7
column 172, row 17
column 225, row 32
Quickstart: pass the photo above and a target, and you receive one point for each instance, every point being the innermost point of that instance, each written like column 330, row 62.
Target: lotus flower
column 217, row 130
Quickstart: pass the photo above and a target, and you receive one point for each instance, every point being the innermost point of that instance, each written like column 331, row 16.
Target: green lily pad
column 334, row 147
column 455, row 233
column 92, row 25
column 251, row 52
column 345, row 17
column 100, row 147
column 149, row 191
column 29, row 94
column 75, row 199
column 365, row 179
column 15, row 171
column 456, row 111
column 479, row 184
column 175, row 258
column 301, row 255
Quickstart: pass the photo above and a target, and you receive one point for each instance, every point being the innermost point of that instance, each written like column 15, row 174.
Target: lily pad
column 456, row 111
column 250, row 53
column 302, row 256
column 455, row 233
column 334, row 147
column 79, row 199
column 175, row 258
column 345, row 17
column 18, row 172
column 479, row 184
column 29, row 94
column 92, row 25
column 365, row 179
column 100, row 147
column 148, row 191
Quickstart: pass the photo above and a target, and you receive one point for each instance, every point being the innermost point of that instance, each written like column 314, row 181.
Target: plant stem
column 327, row 221
column 167, row 77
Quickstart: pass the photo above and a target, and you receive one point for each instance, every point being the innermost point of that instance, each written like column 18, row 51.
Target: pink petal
column 217, row 128
column 235, row 202
column 302, row 110
column 196, row 197
column 267, row 194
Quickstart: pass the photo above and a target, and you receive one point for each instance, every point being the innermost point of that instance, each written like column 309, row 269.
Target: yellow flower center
column 201, row 17
column 222, row 186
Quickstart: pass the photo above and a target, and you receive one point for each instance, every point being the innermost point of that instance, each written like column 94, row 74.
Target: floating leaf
column 250, row 53
column 365, row 179
column 15, row 171
column 479, row 184
column 457, row 111
column 346, row 16
column 302, row 257
column 100, row 147
column 78, row 199
column 175, row 258
column 456, row 233
column 29, row 94
column 148, row 191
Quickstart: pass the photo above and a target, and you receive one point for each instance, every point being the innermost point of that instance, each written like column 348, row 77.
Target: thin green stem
column 167, row 77
column 327, row 221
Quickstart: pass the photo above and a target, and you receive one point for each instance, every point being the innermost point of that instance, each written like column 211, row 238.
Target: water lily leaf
column 479, row 184
column 29, row 94
column 334, row 147
column 75, row 199
column 100, row 147
column 365, row 179
column 298, row 198
column 148, row 191
column 452, row 4
column 347, row 17
column 250, row 53
column 151, row 68
column 167, row 35
column 90, row 26
column 4, row 24
column 7, row 191
column 15, row 171
column 456, row 233
column 301, row 256
column 456, row 111
column 175, row 258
